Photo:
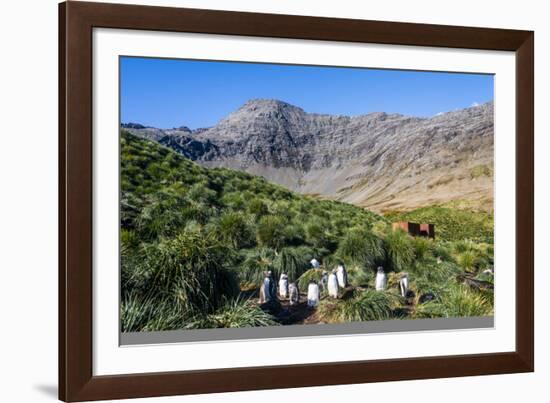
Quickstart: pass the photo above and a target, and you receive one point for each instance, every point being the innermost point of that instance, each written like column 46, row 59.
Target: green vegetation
column 193, row 239
column 235, row 313
column 399, row 250
column 481, row 170
column 459, row 301
column 361, row 247
column 452, row 224
column 195, row 243
column 367, row 305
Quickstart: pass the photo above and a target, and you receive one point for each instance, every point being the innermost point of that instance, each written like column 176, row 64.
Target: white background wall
column 28, row 198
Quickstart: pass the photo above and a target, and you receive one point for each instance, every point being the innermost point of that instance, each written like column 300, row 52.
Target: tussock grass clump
column 361, row 247
column 159, row 217
column 381, row 228
column 399, row 250
column 293, row 262
column 367, row 305
column 428, row 276
column 464, row 245
column 359, row 276
column 235, row 314
column 139, row 315
column 270, row 232
column 459, row 301
column 234, row 229
column 443, row 251
column 254, row 263
column 257, row 207
column 423, row 247
column 473, row 257
column 466, row 260
column 182, row 276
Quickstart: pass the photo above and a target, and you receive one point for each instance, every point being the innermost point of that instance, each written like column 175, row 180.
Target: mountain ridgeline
column 383, row 162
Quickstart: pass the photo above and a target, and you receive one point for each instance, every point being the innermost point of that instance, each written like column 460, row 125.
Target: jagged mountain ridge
column 379, row 161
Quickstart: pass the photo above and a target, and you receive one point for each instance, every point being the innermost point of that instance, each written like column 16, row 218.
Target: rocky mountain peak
column 266, row 105
column 267, row 110
column 378, row 160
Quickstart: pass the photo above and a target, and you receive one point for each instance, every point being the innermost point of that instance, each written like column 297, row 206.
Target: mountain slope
column 163, row 192
column 379, row 161
column 195, row 243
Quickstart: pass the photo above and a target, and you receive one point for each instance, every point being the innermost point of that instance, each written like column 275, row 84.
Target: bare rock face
column 380, row 161
column 188, row 146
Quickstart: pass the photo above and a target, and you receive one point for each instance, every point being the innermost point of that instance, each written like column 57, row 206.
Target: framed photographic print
column 252, row 201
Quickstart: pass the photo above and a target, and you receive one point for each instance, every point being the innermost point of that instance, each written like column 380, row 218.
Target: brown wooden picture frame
column 76, row 23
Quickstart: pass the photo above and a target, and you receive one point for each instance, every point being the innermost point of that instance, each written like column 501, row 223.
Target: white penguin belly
column 342, row 277
column 333, row 286
column 283, row 288
column 404, row 283
column 380, row 281
column 313, row 295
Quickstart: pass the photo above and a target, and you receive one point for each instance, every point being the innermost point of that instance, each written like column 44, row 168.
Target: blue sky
column 169, row 93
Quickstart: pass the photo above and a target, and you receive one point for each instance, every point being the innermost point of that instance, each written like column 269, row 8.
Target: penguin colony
column 329, row 284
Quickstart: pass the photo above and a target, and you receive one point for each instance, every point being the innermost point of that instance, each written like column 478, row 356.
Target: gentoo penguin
column 342, row 276
column 313, row 294
column 404, row 284
column 315, row 263
column 324, row 281
column 267, row 289
column 293, row 294
column 283, row 286
column 333, row 285
column 380, row 283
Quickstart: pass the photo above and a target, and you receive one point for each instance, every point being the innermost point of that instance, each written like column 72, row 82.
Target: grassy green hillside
column 452, row 224
column 196, row 241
